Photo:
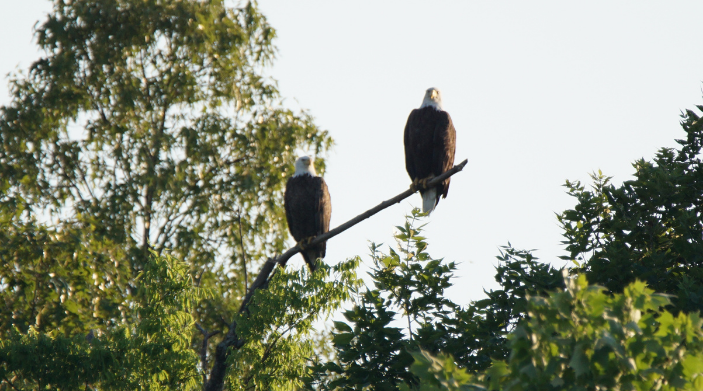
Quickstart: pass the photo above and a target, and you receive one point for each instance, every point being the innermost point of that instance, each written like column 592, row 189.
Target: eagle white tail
column 429, row 200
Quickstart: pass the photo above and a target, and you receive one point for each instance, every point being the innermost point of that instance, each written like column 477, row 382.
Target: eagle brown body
column 430, row 144
column 308, row 211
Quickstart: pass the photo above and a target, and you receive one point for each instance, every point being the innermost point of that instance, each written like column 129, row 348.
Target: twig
column 203, row 349
column 231, row 340
column 241, row 244
column 10, row 383
column 260, row 280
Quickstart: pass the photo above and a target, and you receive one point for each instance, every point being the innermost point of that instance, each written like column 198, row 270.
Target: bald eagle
column 308, row 209
column 430, row 143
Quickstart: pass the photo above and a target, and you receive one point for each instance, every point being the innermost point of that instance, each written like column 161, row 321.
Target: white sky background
column 539, row 92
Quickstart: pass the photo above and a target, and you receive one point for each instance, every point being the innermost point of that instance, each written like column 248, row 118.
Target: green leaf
column 341, row 326
column 343, row 338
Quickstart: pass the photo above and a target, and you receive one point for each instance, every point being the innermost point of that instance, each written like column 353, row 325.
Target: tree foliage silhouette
column 145, row 125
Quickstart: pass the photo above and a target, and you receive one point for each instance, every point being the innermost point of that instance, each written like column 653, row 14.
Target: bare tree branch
column 203, row 349
column 231, row 340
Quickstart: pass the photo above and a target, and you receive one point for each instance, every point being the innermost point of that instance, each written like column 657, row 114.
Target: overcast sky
column 539, row 92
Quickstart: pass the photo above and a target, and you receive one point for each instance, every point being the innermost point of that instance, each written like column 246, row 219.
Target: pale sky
column 539, row 92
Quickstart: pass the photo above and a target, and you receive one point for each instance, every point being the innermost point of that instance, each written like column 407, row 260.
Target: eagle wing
column 444, row 147
column 289, row 204
column 409, row 148
column 323, row 211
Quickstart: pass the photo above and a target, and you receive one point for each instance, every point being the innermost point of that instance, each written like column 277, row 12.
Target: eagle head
column 433, row 98
column 304, row 166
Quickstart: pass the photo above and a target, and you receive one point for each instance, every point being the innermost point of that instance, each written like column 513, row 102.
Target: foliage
column 152, row 353
column 147, row 124
column 650, row 228
column 151, row 348
column 279, row 321
column 372, row 352
column 520, row 275
column 408, row 283
column 583, row 338
column 438, row 373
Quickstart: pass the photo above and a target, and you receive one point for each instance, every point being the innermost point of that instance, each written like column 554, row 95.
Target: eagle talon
column 413, row 186
column 419, row 184
column 303, row 244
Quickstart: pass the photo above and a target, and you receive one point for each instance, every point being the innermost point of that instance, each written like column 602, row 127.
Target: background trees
column 152, row 350
column 146, row 125
column 585, row 338
column 650, row 228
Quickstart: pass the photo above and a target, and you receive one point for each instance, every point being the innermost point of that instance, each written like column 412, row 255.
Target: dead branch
column 231, row 340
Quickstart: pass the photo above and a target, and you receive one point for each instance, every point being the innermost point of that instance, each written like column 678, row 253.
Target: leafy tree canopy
column 406, row 312
column 583, row 338
column 650, row 228
column 147, row 124
column 151, row 352
column 153, row 349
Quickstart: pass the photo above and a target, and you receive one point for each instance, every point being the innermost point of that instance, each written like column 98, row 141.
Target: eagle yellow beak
column 434, row 94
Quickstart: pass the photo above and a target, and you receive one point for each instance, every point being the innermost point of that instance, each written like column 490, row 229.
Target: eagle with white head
column 308, row 209
column 430, row 143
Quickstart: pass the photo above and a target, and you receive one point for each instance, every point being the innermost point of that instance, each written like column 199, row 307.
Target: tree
column 583, row 338
column 372, row 351
column 648, row 229
column 152, row 351
column 147, row 125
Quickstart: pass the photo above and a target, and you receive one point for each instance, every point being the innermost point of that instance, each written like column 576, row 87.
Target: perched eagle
column 430, row 142
column 308, row 209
